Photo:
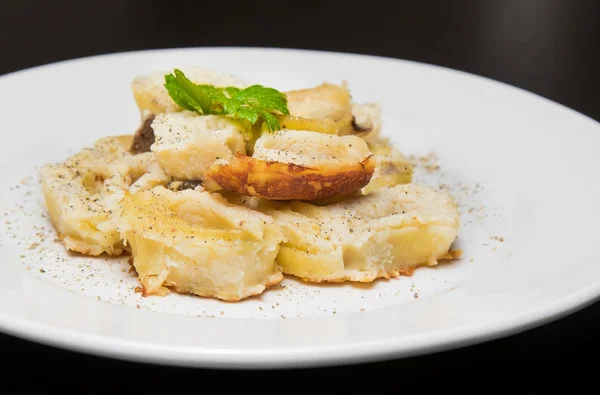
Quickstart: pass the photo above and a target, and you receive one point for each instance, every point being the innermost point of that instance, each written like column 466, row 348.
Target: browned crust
column 287, row 181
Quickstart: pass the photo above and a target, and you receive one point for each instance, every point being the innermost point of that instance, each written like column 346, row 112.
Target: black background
column 547, row 47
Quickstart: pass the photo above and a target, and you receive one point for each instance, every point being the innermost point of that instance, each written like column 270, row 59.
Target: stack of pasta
column 224, row 206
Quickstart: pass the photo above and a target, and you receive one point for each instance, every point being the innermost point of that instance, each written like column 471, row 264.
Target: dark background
column 547, row 47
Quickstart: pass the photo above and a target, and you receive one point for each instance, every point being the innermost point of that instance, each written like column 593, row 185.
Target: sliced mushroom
column 177, row 186
column 144, row 136
column 366, row 121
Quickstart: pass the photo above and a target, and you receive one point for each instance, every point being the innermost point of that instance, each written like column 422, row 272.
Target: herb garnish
column 254, row 103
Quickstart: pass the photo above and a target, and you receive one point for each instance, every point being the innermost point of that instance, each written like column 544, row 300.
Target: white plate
column 523, row 169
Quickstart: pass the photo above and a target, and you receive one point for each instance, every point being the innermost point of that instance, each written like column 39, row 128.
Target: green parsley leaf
column 231, row 91
column 253, row 104
column 248, row 114
column 271, row 121
column 260, row 97
column 186, row 94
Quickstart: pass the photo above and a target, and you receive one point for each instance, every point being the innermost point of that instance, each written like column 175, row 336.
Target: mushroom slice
column 366, row 121
column 297, row 165
column 143, row 137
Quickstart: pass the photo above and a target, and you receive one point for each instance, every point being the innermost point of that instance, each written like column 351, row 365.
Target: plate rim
column 338, row 355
